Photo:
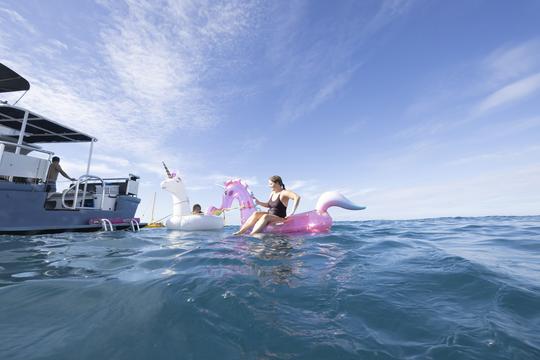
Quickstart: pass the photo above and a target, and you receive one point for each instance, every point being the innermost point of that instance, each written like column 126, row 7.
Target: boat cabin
column 25, row 202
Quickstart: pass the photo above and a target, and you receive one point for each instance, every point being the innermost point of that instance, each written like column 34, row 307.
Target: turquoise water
column 449, row 288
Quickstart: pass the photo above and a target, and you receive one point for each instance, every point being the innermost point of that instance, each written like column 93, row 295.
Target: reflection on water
column 274, row 259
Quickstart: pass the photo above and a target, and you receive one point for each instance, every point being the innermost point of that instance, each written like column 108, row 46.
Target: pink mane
column 238, row 190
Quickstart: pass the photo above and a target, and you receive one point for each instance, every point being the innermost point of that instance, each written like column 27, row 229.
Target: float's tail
column 334, row 198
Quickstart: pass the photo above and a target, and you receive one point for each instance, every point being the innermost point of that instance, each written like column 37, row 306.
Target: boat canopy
column 38, row 128
column 11, row 81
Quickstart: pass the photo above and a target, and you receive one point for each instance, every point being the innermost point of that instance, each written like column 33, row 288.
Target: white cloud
column 163, row 56
column 508, row 156
column 297, row 184
column 201, row 182
column 146, row 72
column 510, row 93
column 510, row 62
column 319, row 67
column 309, row 190
column 103, row 170
column 495, row 193
column 253, row 144
column 499, row 79
column 298, row 107
column 113, row 160
column 388, row 12
column 15, row 17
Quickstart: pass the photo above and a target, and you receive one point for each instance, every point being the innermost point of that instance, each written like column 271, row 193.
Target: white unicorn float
column 182, row 218
column 314, row 221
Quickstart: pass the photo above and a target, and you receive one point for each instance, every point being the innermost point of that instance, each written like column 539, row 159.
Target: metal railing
column 135, row 225
column 83, row 180
column 105, row 222
column 27, row 147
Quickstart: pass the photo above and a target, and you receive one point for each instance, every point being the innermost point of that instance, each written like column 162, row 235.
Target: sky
column 414, row 109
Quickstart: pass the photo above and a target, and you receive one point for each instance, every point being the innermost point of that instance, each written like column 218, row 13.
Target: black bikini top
column 276, row 207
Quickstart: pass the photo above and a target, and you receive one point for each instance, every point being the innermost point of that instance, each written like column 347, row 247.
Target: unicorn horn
column 167, row 170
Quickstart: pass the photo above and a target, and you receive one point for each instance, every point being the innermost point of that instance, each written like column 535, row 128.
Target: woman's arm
column 263, row 204
column 294, row 197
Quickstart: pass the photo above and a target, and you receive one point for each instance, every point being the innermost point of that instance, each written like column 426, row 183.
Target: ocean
column 445, row 288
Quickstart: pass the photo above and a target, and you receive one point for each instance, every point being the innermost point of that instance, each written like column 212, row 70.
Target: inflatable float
column 314, row 221
column 181, row 218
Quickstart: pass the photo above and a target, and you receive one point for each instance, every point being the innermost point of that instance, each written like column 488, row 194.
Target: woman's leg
column 265, row 220
column 250, row 222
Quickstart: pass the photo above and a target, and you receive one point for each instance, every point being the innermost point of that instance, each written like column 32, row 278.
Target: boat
column 153, row 223
column 90, row 203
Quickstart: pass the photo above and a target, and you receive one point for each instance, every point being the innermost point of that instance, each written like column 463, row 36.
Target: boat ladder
column 135, row 225
column 105, row 223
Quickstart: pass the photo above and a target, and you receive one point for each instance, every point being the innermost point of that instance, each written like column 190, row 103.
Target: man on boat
column 52, row 175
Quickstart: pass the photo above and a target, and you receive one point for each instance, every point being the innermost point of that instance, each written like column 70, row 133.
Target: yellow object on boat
column 155, row 225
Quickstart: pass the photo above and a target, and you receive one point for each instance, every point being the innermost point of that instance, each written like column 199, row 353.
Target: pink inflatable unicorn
column 314, row 221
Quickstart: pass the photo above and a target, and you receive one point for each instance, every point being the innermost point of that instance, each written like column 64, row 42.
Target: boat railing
column 27, row 147
column 135, row 225
column 14, row 164
column 83, row 180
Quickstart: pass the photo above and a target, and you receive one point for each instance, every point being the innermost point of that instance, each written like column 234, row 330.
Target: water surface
column 448, row 288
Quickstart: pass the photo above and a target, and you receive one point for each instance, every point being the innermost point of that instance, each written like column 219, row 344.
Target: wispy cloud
column 466, row 92
column 507, row 156
column 510, row 93
column 509, row 62
column 140, row 75
column 491, row 193
column 253, row 144
column 16, row 18
column 300, row 105
column 325, row 60
column 309, row 190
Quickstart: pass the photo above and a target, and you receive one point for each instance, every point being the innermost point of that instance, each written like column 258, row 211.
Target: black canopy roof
column 11, row 81
column 38, row 128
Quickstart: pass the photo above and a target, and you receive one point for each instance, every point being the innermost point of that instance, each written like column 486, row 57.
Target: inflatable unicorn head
column 174, row 185
column 182, row 219
column 236, row 190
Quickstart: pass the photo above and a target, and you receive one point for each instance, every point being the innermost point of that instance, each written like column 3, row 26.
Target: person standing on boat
column 52, row 175
column 277, row 207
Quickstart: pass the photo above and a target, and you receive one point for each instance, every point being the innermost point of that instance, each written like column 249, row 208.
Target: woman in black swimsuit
column 277, row 207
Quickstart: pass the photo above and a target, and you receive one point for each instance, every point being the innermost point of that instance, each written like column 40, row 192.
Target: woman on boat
column 277, row 207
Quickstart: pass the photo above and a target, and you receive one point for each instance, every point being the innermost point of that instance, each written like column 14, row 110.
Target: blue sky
column 412, row 108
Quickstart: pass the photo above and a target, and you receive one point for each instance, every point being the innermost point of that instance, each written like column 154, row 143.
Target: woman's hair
column 277, row 179
column 196, row 207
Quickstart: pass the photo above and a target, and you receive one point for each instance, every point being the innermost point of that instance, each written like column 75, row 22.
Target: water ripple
column 422, row 289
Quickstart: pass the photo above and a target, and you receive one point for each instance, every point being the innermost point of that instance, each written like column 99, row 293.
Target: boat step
column 105, row 223
column 110, row 224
